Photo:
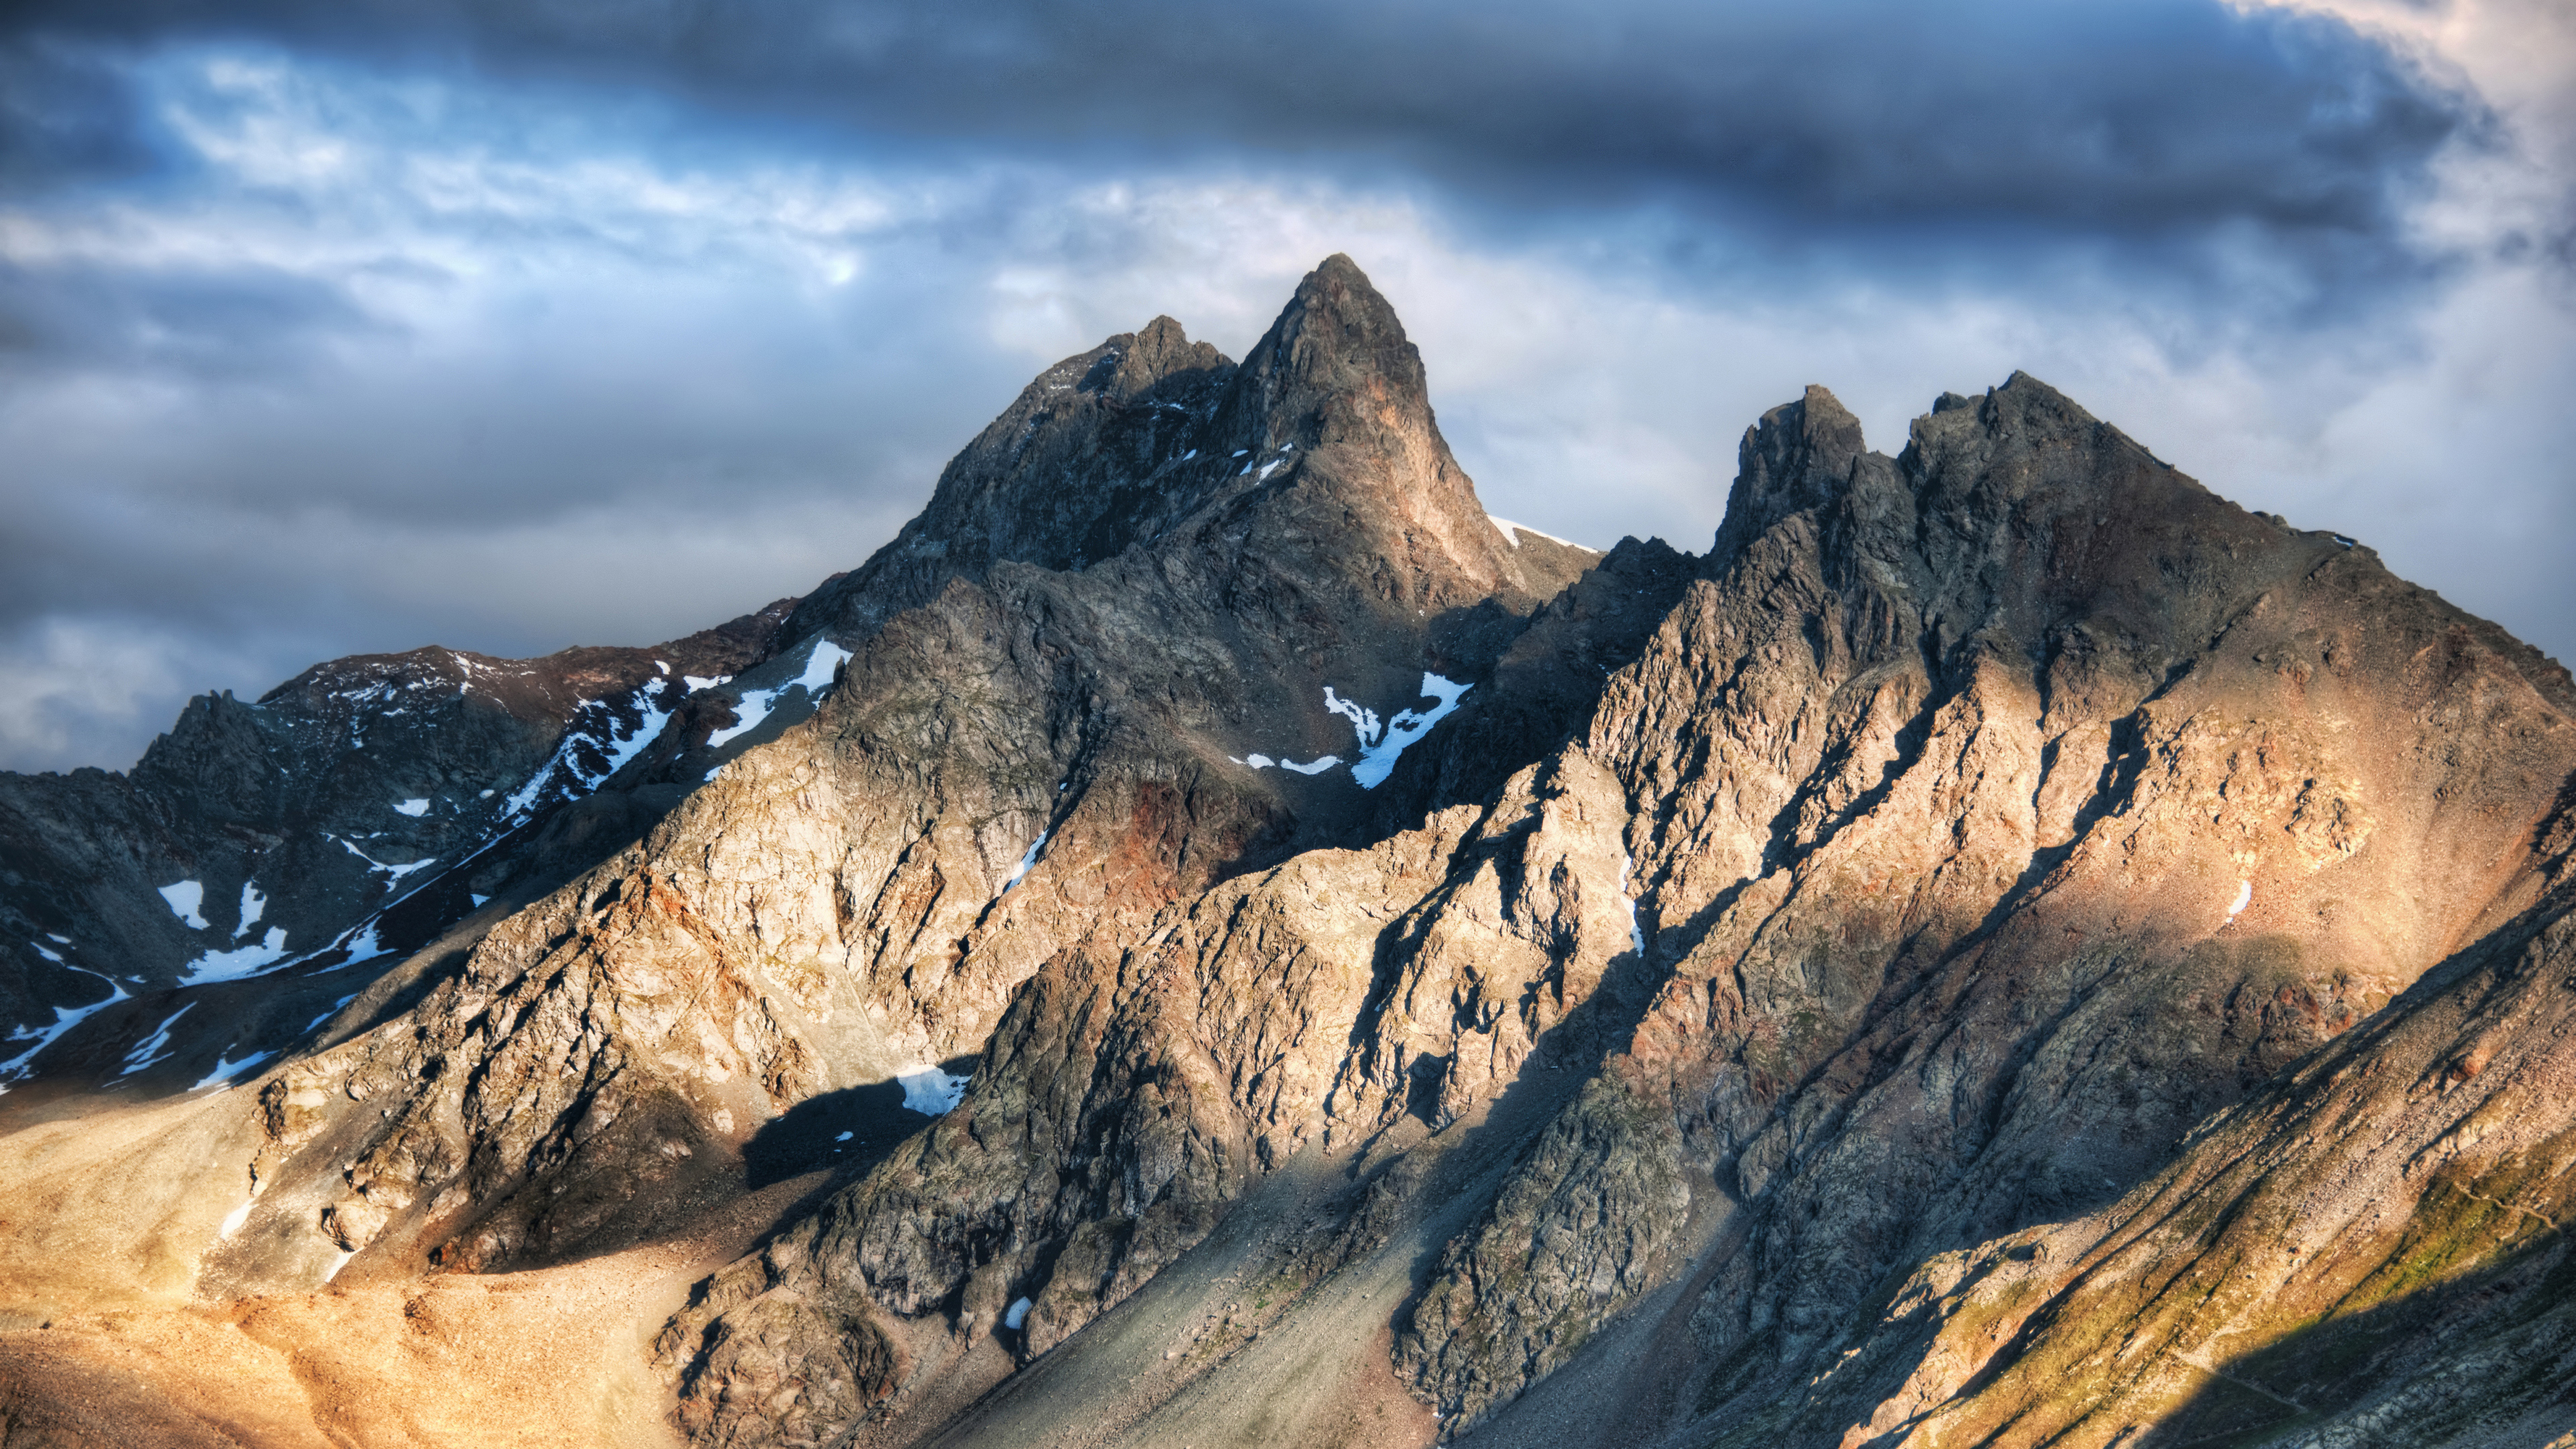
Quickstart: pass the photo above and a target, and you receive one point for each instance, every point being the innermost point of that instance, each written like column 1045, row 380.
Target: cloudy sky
column 355, row 325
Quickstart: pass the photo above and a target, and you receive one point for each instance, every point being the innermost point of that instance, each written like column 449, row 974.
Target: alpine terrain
column 1207, row 938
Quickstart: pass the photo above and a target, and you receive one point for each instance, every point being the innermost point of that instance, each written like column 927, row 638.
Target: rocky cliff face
column 2005, row 809
column 2007, row 945
column 1975, row 823
column 1007, row 758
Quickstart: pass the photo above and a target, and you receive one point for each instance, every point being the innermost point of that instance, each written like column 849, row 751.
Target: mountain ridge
column 1852, row 986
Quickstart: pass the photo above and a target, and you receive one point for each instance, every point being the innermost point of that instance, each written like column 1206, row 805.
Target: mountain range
column 1209, row 938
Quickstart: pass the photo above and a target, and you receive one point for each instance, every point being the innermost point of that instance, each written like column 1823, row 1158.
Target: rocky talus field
column 1207, row 938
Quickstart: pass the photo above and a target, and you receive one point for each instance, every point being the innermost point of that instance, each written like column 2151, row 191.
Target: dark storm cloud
column 2142, row 122
column 68, row 115
column 212, row 322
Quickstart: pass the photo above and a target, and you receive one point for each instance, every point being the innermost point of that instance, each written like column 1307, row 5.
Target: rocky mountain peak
column 1028, row 489
column 1152, row 353
column 1337, row 342
column 1335, row 396
column 1799, row 456
column 1150, row 437
column 1067, row 475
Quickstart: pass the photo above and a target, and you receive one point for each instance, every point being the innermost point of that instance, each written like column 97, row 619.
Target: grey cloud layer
column 2137, row 121
column 328, row 328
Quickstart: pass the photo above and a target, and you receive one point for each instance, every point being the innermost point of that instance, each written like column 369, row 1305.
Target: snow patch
column 1264, row 762
column 820, row 666
column 393, row 873
column 696, row 682
column 1380, row 742
column 623, row 748
column 364, row 946
column 844, row 1137
column 66, row 940
column 65, row 1018
column 233, row 1220
column 184, row 898
column 1378, row 754
column 53, row 956
column 413, row 808
column 526, row 795
column 617, row 745
column 238, row 963
column 338, row 1262
column 2244, row 898
column 930, row 1091
column 154, row 1049
column 1363, row 721
column 1018, row 1314
column 479, row 901
column 253, row 906
column 1512, row 531
column 1273, row 466
column 756, row 704
column 665, row 668
column 1026, row 860
column 748, row 712
column 225, row 1070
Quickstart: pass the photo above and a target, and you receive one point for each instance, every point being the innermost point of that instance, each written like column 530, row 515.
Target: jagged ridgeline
column 1208, row 938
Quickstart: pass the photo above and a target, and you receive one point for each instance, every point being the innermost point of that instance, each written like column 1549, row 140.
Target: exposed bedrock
column 1021, row 753
column 2003, row 810
column 1990, row 815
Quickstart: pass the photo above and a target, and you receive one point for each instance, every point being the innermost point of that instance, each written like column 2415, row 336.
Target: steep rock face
column 2370, row 1250
column 1133, row 1092
column 1977, row 821
column 2005, row 808
column 1115, row 447
column 888, row 829
column 324, row 825
column 1064, row 477
column 1549, row 680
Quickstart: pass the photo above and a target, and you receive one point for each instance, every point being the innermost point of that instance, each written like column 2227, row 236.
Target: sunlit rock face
column 1974, row 824
column 2004, row 813
column 1206, row 937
